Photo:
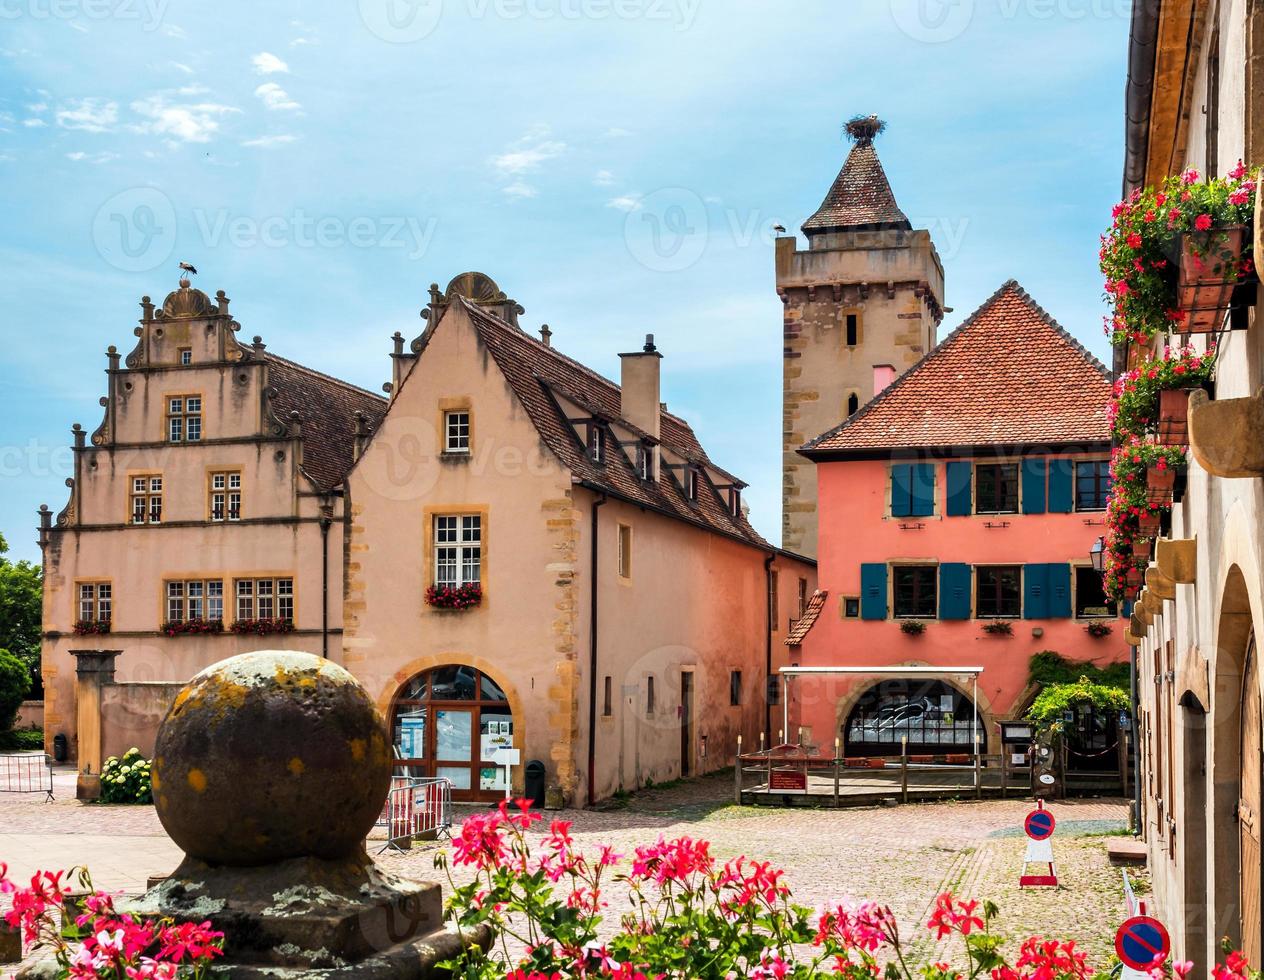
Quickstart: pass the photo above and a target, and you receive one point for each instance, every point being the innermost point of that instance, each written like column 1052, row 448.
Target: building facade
column 1196, row 99
column 958, row 511
column 509, row 551
column 862, row 304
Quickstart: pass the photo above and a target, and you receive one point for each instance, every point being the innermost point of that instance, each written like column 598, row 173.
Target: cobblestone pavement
column 902, row 856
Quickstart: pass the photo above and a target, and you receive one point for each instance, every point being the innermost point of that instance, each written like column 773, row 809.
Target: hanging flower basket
column 454, row 596
column 1212, row 265
column 1135, row 578
column 1098, row 630
column 912, row 627
column 999, row 627
column 1141, row 548
column 1152, row 397
column 1173, row 429
column 1148, row 523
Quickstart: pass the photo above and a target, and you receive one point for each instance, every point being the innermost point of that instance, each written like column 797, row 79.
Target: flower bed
column 454, row 596
column 192, row 626
column 1166, row 245
column 262, row 627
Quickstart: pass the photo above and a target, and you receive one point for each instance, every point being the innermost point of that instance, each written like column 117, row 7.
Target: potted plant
column 91, row 627
column 1141, row 548
column 1148, row 523
column 454, row 597
column 999, row 627
column 1160, row 483
column 912, row 627
column 1098, row 629
column 1153, row 397
column 1212, row 263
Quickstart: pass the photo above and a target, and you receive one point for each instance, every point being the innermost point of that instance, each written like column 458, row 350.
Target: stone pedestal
column 93, row 670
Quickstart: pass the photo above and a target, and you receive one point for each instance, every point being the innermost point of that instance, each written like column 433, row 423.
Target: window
column 456, row 432
column 649, row 695
column 147, row 499
column 803, row 597
column 458, row 549
column 915, row 592
column 1090, row 597
column 265, row 598
column 96, row 602
column 999, row 592
column 1092, row 484
column 225, row 496
column 735, row 501
column 184, row 418
column 186, row 356
column 853, row 329
column 913, row 489
column 596, row 443
column 607, row 706
column 200, row 599
column 735, row 687
column 853, row 404
column 691, row 483
column 996, row 488
column 645, row 461
column 851, row 607
column 625, row 551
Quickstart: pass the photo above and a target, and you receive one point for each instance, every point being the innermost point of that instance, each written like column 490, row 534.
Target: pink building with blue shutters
column 957, row 514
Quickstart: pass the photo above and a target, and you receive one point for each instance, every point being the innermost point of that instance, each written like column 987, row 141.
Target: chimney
column 883, row 375
column 639, row 401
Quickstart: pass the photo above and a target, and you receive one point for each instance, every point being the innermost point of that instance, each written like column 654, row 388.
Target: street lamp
column 1097, row 555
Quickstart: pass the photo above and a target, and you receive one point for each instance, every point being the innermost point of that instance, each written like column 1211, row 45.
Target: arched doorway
column 448, row 721
column 934, row 716
column 1249, row 814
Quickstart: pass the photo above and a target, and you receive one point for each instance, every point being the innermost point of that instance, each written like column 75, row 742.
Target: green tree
column 15, row 681
column 21, row 601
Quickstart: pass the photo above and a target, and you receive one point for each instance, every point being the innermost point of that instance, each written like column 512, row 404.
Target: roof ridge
column 325, row 377
column 1062, row 331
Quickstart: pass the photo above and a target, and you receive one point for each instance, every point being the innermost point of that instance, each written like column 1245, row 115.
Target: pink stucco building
column 957, row 514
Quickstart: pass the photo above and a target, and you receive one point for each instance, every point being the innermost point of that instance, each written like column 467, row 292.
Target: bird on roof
column 185, row 267
column 779, row 229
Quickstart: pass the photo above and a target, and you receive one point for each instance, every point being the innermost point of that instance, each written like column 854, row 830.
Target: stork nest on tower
column 863, row 129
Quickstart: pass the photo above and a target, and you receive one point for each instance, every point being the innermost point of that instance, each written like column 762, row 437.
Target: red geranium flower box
column 1211, row 265
column 454, row 596
column 1174, row 417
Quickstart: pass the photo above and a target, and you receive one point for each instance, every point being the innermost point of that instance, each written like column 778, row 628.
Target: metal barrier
column 416, row 807
column 27, row 773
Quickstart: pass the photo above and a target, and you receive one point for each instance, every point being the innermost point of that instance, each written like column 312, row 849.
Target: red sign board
column 1141, row 941
column 787, row 779
column 1039, row 824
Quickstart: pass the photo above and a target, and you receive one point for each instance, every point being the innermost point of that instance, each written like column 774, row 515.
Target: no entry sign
column 1140, row 941
column 1039, row 824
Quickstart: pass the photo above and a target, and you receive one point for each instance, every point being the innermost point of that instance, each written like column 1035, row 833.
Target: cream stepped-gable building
column 510, row 551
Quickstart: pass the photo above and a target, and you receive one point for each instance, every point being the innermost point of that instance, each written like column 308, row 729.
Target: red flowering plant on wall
column 91, row 627
column 1131, row 503
column 90, row 940
column 196, row 627
column 454, row 596
column 1134, row 408
column 1140, row 252
column 262, row 627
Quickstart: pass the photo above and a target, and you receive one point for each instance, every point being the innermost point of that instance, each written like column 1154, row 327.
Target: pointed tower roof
column 861, row 197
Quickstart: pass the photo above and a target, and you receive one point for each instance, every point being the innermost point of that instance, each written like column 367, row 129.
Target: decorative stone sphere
column 268, row 756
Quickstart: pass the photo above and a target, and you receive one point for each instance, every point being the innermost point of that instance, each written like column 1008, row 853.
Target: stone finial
column 146, row 308
column 397, row 339
column 80, row 436
column 257, row 347
column 295, row 422
column 221, row 302
column 546, row 335
column 112, row 356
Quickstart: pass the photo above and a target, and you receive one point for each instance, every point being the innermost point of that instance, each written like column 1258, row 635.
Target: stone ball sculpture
column 269, row 756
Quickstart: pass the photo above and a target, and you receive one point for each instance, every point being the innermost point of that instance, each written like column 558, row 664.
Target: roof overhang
column 884, row 671
column 957, row 452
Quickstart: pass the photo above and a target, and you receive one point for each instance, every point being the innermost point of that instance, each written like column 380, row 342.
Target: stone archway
column 1192, row 933
column 876, row 714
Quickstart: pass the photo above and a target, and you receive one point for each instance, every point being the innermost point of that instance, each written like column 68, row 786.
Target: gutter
column 325, row 523
column 1143, row 38
column 592, row 655
column 768, row 624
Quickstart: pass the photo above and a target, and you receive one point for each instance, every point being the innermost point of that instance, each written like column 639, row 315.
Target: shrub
column 1050, row 667
column 15, row 681
column 126, row 780
column 912, row 627
column 1054, row 701
column 22, row 740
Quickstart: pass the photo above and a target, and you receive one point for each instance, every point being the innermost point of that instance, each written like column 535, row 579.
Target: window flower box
column 1141, row 548
column 192, row 627
column 91, row 627
column 1160, row 483
column 262, row 627
column 1148, row 523
column 1153, row 397
column 999, row 627
column 912, row 627
column 455, row 597
column 1212, row 265
column 1098, row 630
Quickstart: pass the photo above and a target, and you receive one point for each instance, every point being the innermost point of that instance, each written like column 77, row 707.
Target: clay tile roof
column 540, row 375
column 327, row 408
column 1008, row 376
column 805, row 622
column 860, row 198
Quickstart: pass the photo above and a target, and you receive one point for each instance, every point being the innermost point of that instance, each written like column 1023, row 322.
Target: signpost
column 505, row 758
column 1140, row 942
column 1039, row 826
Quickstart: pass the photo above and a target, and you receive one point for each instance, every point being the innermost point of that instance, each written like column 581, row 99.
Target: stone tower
column 862, row 305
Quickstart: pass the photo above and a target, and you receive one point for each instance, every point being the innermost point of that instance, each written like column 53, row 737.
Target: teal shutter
column 923, row 490
column 1061, row 484
column 873, row 591
column 1034, row 485
column 1035, row 591
column 954, row 591
column 901, row 490
column 959, row 476
column 1059, row 591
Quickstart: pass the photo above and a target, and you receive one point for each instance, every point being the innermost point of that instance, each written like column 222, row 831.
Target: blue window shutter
column 954, row 591
column 1034, row 485
column 923, row 490
column 1061, row 484
column 1035, row 591
column 959, row 477
column 1059, row 591
column 873, row 591
column 901, row 479
column 1127, row 611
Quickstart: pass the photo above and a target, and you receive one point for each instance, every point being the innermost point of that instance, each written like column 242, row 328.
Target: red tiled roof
column 327, row 408
column 1009, row 375
column 861, row 197
column 805, row 622
column 540, row 375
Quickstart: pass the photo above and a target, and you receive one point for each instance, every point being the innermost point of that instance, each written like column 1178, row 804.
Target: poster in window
column 412, row 736
column 454, row 735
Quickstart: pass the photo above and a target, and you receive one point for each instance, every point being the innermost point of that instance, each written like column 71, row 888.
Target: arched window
column 449, row 722
column 935, row 717
column 853, row 404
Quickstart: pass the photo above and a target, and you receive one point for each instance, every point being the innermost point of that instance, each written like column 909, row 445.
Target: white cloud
column 34, row 123
column 172, row 30
column 520, row 189
column 298, row 42
column 603, row 178
column 625, row 202
column 181, row 66
column 276, row 98
column 37, row 107
column 104, row 157
column 266, row 63
column 267, row 142
column 528, row 153
column 89, row 115
column 183, row 122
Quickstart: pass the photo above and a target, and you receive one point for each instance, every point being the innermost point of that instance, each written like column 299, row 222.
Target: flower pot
column 1209, row 270
column 1148, row 524
column 1174, row 417
column 1141, row 548
column 1135, row 578
column 1160, row 484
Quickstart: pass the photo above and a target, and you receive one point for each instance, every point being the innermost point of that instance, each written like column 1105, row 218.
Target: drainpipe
column 326, row 521
column 592, row 658
column 1136, row 715
column 768, row 678
column 1143, row 39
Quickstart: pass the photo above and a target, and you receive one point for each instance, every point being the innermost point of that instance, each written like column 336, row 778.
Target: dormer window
column 596, row 443
column 645, row 462
column 691, row 483
column 735, row 501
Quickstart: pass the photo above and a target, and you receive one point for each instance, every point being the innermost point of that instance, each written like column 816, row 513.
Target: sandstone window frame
column 193, row 597
column 433, row 553
column 264, row 596
column 224, row 495
column 94, row 600
column 624, row 552
column 183, row 417
column 144, row 498
column 457, row 431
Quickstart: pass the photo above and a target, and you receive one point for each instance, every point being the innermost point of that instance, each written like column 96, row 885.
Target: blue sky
column 616, row 165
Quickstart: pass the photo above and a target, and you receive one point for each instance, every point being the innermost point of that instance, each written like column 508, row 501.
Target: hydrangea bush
column 126, row 780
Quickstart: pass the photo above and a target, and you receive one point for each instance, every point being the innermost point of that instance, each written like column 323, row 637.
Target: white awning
column 884, row 671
